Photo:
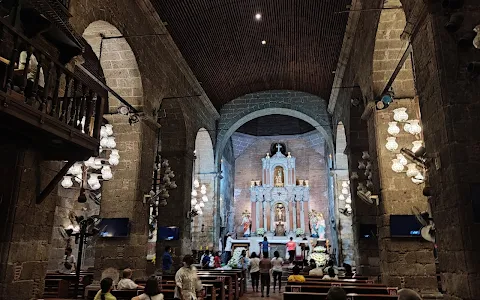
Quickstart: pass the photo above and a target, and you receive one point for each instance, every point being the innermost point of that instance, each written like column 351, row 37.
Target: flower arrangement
column 319, row 255
column 261, row 231
column 299, row 231
column 237, row 253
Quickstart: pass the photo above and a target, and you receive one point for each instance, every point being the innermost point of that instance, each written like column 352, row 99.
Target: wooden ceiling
column 222, row 42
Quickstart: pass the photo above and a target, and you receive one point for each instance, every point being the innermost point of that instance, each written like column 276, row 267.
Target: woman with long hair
column 151, row 292
column 255, row 271
column 187, row 283
column 106, row 286
column 277, row 270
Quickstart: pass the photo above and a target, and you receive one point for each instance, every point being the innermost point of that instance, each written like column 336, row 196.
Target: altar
column 280, row 201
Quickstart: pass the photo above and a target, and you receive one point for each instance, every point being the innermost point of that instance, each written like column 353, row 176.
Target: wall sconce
column 385, row 100
column 413, row 127
column 392, row 144
column 397, row 166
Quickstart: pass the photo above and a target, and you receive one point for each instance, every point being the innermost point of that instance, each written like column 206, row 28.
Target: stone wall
column 227, row 186
column 310, row 165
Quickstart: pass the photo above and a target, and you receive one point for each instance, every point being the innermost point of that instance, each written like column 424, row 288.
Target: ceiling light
column 264, row 42
column 258, row 16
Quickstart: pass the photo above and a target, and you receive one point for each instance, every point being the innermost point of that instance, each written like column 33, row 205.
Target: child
column 296, row 277
column 217, row 261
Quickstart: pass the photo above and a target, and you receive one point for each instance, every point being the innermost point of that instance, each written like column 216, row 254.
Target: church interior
column 135, row 132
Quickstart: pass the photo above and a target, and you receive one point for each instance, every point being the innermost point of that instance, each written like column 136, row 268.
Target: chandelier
column 345, row 196
column 199, row 198
column 88, row 174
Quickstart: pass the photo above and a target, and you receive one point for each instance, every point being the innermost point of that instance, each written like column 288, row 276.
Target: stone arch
column 118, row 62
column 204, row 172
column 310, row 108
column 389, row 48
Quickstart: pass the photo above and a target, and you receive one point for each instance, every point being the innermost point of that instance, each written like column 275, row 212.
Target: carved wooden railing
column 65, row 3
column 65, row 96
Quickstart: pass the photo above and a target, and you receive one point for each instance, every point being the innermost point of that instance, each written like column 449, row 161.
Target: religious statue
column 246, row 223
column 280, row 213
column 317, row 224
column 278, row 177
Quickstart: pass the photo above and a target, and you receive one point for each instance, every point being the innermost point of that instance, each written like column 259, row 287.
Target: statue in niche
column 246, row 223
column 280, row 213
column 317, row 224
column 278, row 177
column 280, row 229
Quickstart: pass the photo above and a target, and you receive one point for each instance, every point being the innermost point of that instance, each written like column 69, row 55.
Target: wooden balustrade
column 47, row 86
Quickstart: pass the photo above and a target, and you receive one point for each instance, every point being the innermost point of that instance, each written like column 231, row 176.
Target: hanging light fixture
column 413, row 127
column 416, row 146
column 391, row 144
column 400, row 114
column 401, row 158
column 412, row 170
column 345, row 191
column 67, row 182
column 393, row 129
column 341, row 197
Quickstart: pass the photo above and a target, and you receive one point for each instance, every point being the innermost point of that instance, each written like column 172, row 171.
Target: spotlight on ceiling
column 258, row 16
column 264, row 42
column 385, row 100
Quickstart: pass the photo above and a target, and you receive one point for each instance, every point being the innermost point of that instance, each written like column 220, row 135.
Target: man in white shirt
column 67, row 266
column 126, row 283
column 31, row 72
column 228, row 248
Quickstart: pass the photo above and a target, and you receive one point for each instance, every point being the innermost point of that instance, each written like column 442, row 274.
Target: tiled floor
column 257, row 296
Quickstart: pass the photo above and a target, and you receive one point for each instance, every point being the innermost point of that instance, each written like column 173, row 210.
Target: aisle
column 249, row 295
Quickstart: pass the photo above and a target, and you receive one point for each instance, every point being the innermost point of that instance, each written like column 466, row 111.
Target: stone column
column 264, row 212
column 179, row 204
column 253, row 216
column 294, row 214
column 403, row 262
column 122, row 197
column 287, row 227
column 258, row 214
column 302, row 214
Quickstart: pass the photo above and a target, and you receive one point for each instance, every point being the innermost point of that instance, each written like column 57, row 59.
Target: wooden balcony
column 44, row 105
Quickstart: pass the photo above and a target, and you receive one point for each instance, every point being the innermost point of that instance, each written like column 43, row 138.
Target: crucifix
column 278, row 147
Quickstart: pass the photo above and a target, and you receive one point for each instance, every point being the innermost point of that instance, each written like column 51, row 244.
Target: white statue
column 278, row 178
column 246, row 221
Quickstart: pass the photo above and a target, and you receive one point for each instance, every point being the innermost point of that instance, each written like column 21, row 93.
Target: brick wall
column 310, row 165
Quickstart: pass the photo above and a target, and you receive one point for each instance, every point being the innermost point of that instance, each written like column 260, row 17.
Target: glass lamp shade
column 111, row 142
column 412, row 170
column 204, row 198
column 104, row 142
column 348, row 200
column 97, row 165
column 349, row 210
column 347, row 206
column 204, row 187
column 345, row 184
column 67, row 182
column 415, row 127
column 113, row 160
column 402, row 159
column 345, row 191
column 361, row 165
column 393, row 129
column 400, row 114
column 397, row 166
column 341, row 197
column 109, row 129
column 194, row 202
column 196, row 183
column 89, row 162
column 107, row 173
column 197, row 206
column 96, row 186
column 391, row 144
column 416, row 145
column 203, row 192
column 114, row 153
column 93, row 179
column 200, row 212
column 194, row 193
column 103, row 132
column 76, row 169
column 365, row 155
column 201, row 204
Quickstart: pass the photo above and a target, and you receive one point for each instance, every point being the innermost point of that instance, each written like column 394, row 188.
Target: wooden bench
column 238, row 279
column 348, row 289
column 56, row 288
column 320, row 296
column 327, row 282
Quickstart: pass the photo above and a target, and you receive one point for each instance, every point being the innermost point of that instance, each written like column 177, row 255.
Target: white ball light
column 345, row 184
column 109, row 129
column 341, row 197
column 415, row 127
column 400, row 114
column 114, row 153
column 402, row 159
column 391, row 144
column 204, row 198
column 393, row 129
column 348, row 200
column 202, row 204
column 67, row 182
column 194, row 201
column 113, row 160
column 416, row 145
column 89, row 162
column 197, row 206
column 345, row 191
column 111, row 142
column 196, row 183
column 194, row 193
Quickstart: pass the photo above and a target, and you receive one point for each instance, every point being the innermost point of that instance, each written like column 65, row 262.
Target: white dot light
column 258, row 16
column 264, row 42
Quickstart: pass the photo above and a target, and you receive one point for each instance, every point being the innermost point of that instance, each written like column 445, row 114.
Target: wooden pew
column 56, row 288
column 319, row 296
column 348, row 289
column 329, row 283
column 238, row 279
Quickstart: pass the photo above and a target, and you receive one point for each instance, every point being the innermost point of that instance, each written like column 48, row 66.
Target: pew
column 56, row 288
column 348, row 289
column 329, row 283
column 238, row 279
column 351, row 296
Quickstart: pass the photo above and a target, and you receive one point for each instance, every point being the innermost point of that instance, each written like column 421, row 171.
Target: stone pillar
column 294, row 214
column 179, row 204
column 264, row 212
column 258, row 214
column 253, row 216
column 403, row 262
column 122, row 197
column 302, row 213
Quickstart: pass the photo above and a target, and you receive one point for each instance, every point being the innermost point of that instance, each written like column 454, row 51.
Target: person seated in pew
column 106, row 286
column 348, row 271
column 152, row 292
column 408, row 294
column 206, row 260
column 296, row 277
column 126, row 283
column 336, row 293
column 317, row 271
column 330, row 275
column 217, row 260
column 330, row 264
